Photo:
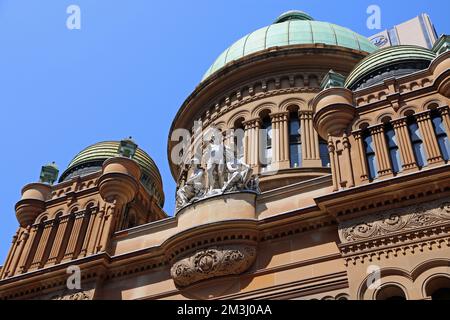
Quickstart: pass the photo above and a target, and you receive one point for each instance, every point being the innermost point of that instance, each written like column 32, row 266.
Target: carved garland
column 213, row 262
column 399, row 220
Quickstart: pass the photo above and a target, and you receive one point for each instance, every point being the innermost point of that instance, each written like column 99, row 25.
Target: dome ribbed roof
column 388, row 57
column 291, row 28
column 99, row 152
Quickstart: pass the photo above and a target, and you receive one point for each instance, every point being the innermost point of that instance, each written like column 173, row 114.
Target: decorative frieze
column 395, row 221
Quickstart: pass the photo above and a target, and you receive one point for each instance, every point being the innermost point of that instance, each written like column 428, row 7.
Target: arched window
column 392, row 292
column 439, row 289
column 369, row 148
column 441, row 135
column 394, row 151
column 295, row 140
column 324, row 154
column 266, row 127
column 417, row 142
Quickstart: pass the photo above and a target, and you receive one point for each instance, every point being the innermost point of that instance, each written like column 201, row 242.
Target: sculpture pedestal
column 231, row 206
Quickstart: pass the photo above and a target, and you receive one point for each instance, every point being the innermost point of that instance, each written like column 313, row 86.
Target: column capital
column 445, row 110
column 398, row 123
column 423, row 116
column 357, row 134
column 379, row 128
column 252, row 123
column 279, row 116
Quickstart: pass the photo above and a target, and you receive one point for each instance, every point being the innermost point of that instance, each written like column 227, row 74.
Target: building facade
column 418, row 31
column 333, row 182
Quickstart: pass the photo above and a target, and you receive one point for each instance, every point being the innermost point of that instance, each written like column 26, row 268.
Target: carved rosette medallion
column 395, row 221
column 81, row 295
column 213, row 262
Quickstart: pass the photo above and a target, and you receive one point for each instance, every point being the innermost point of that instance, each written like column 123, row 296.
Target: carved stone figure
column 193, row 187
column 239, row 176
column 215, row 165
column 222, row 174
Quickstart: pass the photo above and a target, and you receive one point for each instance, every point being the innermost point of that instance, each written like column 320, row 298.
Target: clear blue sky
column 126, row 72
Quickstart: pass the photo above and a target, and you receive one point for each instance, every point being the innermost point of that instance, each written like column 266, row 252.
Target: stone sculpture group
column 220, row 173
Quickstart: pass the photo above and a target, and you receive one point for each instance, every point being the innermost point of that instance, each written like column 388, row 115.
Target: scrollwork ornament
column 394, row 221
column 213, row 262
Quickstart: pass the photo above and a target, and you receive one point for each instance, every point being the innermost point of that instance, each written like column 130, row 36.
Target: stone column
column 57, row 243
column 334, row 164
column 252, row 142
column 382, row 152
column 310, row 141
column 405, row 144
column 43, row 243
column 88, row 237
column 362, row 156
column 5, row 272
column 280, row 143
column 348, row 162
column 429, row 137
column 19, row 251
column 74, row 236
column 24, row 259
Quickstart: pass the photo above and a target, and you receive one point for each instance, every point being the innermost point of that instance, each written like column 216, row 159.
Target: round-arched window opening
column 439, row 289
column 391, row 293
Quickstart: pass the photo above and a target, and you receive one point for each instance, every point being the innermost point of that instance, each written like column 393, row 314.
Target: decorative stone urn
column 334, row 111
column 120, row 180
column 32, row 203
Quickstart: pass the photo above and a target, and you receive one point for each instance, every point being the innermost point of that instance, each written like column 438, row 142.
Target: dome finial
column 293, row 15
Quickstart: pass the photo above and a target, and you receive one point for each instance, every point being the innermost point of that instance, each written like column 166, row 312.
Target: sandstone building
column 351, row 147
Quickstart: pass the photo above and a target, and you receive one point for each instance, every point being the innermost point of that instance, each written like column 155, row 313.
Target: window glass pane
column 294, row 127
column 393, row 149
column 415, row 132
column 324, row 154
column 439, row 125
column 370, row 156
column 296, row 155
column 444, row 145
column 395, row 159
column 373, row 171
column 441, row 136
column 370, row 148
column 418, row 147
column 419, row 153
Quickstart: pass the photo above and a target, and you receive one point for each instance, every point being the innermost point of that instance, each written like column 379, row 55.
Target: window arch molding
column 407, row 110
column 382, row 118
column 263, row 108
column 235, row 117
column 394, row 276
column 394, row 286
column 361, row 124
column 293, row 102
column 431, row 105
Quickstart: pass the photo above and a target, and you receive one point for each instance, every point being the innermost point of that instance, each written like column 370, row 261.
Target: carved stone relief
column 81, row 295
column 213, row 262
column 394, row 221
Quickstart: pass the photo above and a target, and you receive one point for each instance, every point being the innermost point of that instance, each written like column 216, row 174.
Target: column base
column 312, row 163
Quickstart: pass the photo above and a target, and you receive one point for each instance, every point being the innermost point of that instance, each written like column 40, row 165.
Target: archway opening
column 439, row 289
column 391, row 293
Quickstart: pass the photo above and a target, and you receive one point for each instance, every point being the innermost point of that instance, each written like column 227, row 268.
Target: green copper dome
column 91, row 159
column 291, row 28
column 394, row 60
